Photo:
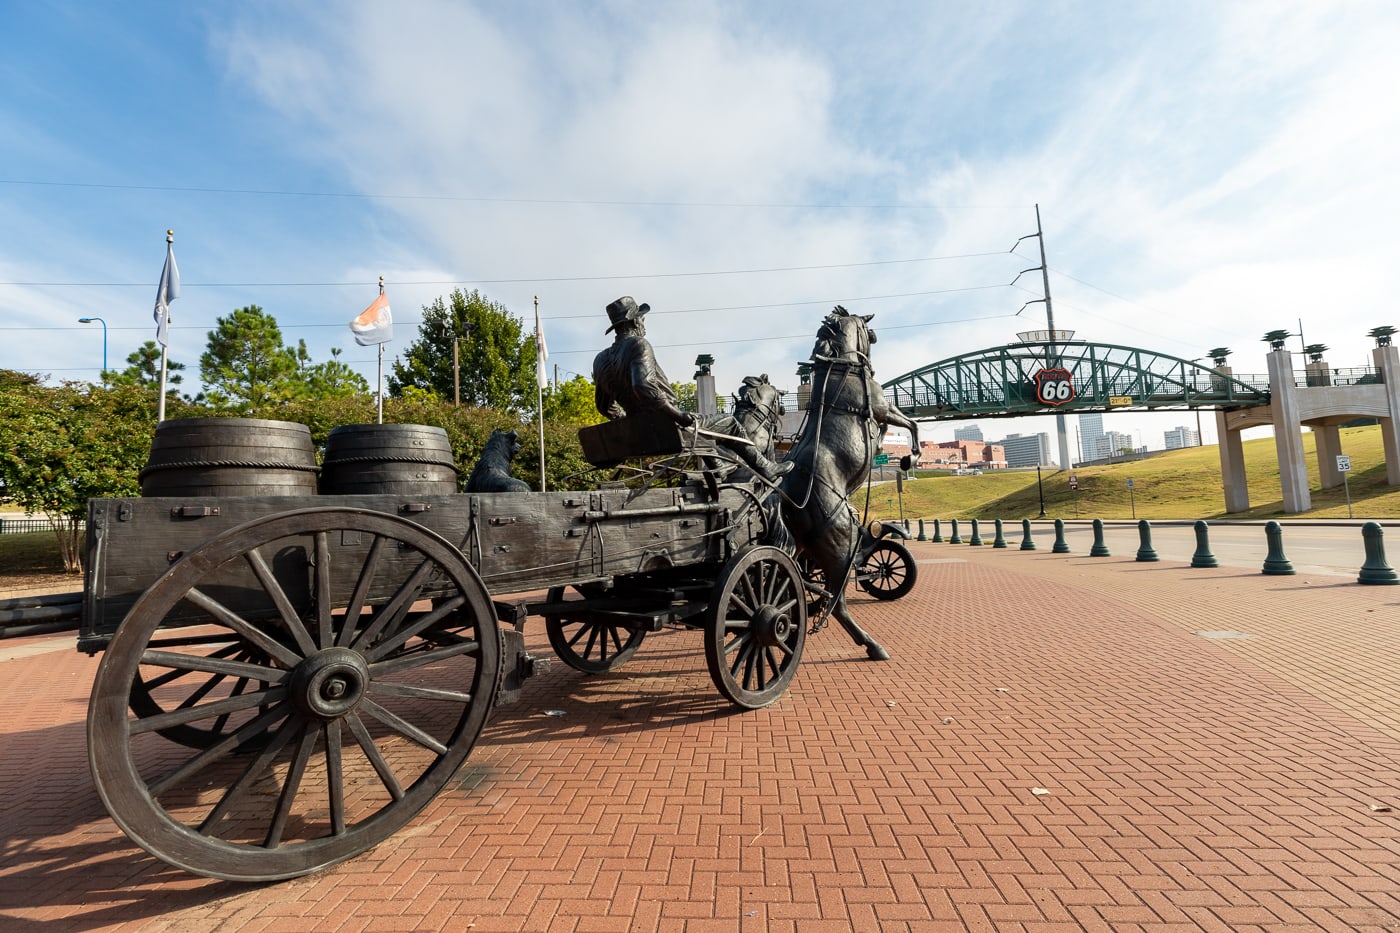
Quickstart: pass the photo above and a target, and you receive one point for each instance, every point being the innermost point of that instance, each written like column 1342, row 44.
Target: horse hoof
column 877, row 653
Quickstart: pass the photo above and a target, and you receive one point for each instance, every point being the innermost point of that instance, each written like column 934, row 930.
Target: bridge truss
column 1011, row 381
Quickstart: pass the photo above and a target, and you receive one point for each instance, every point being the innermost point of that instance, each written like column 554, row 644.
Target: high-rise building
column 1180, row 437
column 1090, row 433
column 1026, row 450
column 1112, row 443
column 969, row 433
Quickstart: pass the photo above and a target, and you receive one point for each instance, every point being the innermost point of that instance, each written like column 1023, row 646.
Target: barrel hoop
column 394, row 459
column 239, row 464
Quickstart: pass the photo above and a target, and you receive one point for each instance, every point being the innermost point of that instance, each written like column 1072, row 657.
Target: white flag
column 541, row 351
column 375, row 323
column 169, row 290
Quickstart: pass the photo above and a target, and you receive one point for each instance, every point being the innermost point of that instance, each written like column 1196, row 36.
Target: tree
column 61, row 446
column 496, row 358
column 143, row 370
column 331, row 379
column 571, row 402
column 246, row 368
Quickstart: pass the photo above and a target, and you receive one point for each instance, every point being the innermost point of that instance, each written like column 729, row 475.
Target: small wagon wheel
column 590, row 644
column 756, row 626
column 889, row 572
column 369, row 656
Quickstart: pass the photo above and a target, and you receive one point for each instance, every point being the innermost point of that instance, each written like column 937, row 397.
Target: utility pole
column 1052, row 353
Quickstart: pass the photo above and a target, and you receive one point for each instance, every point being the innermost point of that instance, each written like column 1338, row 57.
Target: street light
column 89, row 320
column 1041, row 489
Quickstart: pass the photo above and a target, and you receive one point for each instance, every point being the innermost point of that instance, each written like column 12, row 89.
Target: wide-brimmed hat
column 625, row 309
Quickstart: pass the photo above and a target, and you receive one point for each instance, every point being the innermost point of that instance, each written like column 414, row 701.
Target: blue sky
column 1205, row 172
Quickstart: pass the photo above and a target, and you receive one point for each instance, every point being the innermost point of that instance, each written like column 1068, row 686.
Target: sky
column 1205, row 172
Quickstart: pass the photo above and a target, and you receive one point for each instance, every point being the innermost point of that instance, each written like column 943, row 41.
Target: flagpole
column 379, row 386
column 539, row 389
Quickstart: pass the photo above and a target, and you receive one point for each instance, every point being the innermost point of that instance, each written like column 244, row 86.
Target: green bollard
column 1100, row 549
column 976, row 539
column 937, row 531
column 1000, row 539
column 1203, row 557
column 1061, row 545
column 1027, row 542
column 955, row 538
column 921, row 537
column 1146, row 552
column 1276, row 564
column 1375, row 570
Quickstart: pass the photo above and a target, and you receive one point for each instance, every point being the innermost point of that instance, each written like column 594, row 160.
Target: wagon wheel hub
column 770, row 626
column 330, row 683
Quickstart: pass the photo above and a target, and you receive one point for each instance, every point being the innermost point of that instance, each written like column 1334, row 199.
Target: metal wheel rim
column 756, row 627
column 357, row 713
column 889, row 572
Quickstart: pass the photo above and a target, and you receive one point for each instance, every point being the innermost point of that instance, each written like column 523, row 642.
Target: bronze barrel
column 388, row 459
column 230, row 457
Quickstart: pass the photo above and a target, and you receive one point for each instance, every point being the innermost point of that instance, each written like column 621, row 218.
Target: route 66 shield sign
column 1054, row 386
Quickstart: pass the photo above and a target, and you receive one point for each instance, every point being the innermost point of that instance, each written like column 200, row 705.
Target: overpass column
column 1329, row 445
column 1232, row 465
column 1387, row 362
column 1288, row 434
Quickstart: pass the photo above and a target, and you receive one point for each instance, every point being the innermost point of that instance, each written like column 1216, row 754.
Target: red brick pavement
column 1189, row 782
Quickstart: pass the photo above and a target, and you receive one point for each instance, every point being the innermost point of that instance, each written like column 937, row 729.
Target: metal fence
column 18, row 526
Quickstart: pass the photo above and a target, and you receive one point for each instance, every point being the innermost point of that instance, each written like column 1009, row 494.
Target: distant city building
column 958, row 455
column 1026, row 450
column 1112, row 443
column 1180, row 437
column 1091, row 437
column 970, row 433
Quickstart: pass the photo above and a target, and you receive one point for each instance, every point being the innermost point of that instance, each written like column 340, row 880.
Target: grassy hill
column 1181, row 484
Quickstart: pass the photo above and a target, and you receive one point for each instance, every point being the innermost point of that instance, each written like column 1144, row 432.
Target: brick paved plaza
column 1070, row 753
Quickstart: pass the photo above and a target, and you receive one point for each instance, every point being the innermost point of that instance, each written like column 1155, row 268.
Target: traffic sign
column 1054, row 386
column 882, row 459
column 1130, row 482
column 1343, row 463
column 1073, row 483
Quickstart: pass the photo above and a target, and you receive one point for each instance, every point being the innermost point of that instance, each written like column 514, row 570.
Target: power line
column 472, row 199
column 517, row 281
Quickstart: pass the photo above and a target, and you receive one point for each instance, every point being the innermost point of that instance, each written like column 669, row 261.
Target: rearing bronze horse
column 847, row 415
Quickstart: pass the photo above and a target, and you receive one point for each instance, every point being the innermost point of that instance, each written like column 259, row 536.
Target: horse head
column 844, row 338
column 759, row 400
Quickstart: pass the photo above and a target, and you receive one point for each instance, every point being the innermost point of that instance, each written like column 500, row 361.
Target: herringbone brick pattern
column 1059, row 750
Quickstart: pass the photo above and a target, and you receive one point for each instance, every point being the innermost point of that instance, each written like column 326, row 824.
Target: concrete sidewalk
column 1060, row 742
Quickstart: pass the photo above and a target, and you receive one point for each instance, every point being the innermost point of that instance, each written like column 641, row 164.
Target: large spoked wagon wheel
column 756, row 627
column 889, row 572
column 190, row 685
column 591, row 645
column 338, row 666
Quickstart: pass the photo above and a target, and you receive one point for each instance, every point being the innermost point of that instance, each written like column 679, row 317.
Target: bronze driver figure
column 628, row 380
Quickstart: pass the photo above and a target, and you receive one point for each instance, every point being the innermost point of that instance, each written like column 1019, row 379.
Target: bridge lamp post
column 90, row 320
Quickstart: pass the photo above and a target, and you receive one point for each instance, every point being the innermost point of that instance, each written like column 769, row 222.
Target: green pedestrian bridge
column 1066, row 377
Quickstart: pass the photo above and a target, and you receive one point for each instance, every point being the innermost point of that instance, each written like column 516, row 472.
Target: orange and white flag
column 375, row 323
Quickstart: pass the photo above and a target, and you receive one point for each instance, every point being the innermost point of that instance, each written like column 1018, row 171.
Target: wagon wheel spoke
column 321, row 735
column 757, row 627
column 591, row 642
column 361, row 592
column 285, row 609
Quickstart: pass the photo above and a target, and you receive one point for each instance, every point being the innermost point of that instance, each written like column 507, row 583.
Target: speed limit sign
column 1054, row 386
